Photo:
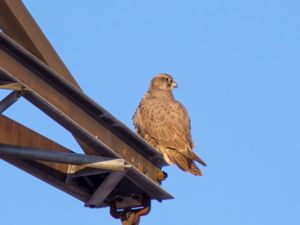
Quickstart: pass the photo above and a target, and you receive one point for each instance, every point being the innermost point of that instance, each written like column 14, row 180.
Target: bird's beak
column 174, row 85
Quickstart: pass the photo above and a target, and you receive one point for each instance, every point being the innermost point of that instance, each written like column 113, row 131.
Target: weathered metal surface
column 59, row 96
column 81, row 116
column 9, row 100
column 75, row 160
column 75, row 111
column 12, row 133
column 11, row 86
column 107, row 186
column 57, row 174
column 16, row 22
column 5, row 80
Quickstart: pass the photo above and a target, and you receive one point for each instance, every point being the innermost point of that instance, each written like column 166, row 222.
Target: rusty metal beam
column 9, row 100
column 58, row 174
column 74, row 110
column 108, row 185
column 81, row 116
column 5, row 80
column 58, row 95
column 16, row 22
column 13, row 133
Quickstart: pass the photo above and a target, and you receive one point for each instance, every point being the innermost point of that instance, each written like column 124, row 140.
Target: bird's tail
column 195, row 157
column 184, row 163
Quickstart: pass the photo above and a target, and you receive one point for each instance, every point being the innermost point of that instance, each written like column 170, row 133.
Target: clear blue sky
column 237, row 66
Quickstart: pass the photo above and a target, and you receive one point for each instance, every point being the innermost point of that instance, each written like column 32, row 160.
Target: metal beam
column 103, row 133
column 79, row 161
column 9, row 100
column 13, row 133
column 107, row 186
column 89, row 122
column 51, row 176
column 58, row 174
column 5, row 80
column 81, row 116
column 16, row 22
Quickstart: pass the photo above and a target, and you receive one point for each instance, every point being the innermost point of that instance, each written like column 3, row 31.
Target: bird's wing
column 139, row 118
column 137, row 122
column 166, row 122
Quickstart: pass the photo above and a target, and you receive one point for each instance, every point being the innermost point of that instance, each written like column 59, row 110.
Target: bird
column 165, row 124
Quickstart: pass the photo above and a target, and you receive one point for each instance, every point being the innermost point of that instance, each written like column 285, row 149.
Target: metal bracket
column 108, row 185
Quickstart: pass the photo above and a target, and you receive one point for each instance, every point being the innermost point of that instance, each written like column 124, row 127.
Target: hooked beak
column 174, row 85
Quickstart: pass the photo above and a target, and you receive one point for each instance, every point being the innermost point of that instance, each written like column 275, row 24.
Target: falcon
column 165, row 124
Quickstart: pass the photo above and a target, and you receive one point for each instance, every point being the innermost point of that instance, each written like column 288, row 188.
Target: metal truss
column 118, row 170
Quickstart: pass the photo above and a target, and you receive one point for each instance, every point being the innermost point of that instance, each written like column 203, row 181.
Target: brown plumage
column 164, row 123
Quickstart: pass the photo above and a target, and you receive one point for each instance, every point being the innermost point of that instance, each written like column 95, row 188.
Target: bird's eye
column 169, row 80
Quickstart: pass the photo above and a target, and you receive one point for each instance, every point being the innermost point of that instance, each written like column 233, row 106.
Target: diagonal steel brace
column 9, row 100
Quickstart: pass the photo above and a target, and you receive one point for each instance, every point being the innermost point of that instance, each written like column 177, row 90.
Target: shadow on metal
column 118, row 170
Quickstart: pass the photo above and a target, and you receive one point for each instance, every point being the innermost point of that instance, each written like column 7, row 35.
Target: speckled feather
column 164, row 123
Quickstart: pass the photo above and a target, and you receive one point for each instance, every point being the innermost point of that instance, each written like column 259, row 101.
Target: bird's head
column 163, row 81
